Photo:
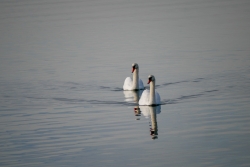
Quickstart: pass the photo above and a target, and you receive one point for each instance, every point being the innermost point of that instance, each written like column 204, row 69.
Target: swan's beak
column 149, row 81
column 133, row 69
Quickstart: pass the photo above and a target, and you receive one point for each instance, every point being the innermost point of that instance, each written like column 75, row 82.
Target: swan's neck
column 152, row 93
column 136, row 79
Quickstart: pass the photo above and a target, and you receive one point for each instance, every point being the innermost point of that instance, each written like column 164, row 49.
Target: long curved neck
column 152, row 92
column 136, row 79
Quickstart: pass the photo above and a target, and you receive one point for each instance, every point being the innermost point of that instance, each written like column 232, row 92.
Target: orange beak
column 149, row 81
column 133, row 69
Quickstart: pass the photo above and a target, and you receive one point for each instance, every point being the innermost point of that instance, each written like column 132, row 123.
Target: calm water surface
column 63, row 64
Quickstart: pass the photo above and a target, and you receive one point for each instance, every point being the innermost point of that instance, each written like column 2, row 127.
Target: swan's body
column 150, row 97
column 136, row 83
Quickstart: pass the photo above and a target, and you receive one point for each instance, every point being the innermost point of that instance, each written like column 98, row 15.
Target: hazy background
column 62, row 68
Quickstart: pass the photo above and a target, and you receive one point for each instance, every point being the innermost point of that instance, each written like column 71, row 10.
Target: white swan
column 136, row 83
column 150, row 97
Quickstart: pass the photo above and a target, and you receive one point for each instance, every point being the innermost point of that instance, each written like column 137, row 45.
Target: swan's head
column 134, row 66
column 151, row 78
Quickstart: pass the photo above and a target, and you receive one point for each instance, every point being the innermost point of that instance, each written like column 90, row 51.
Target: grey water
column 62, row 68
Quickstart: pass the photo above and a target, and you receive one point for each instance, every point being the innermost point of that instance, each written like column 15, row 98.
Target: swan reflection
column 152, row 111
column 132, row 96
column 146, row 111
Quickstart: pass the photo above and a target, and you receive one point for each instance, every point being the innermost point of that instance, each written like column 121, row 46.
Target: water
column 63, row 64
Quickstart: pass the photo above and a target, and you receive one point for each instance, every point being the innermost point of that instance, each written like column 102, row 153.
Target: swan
column 136, row 83
column 150, row 97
